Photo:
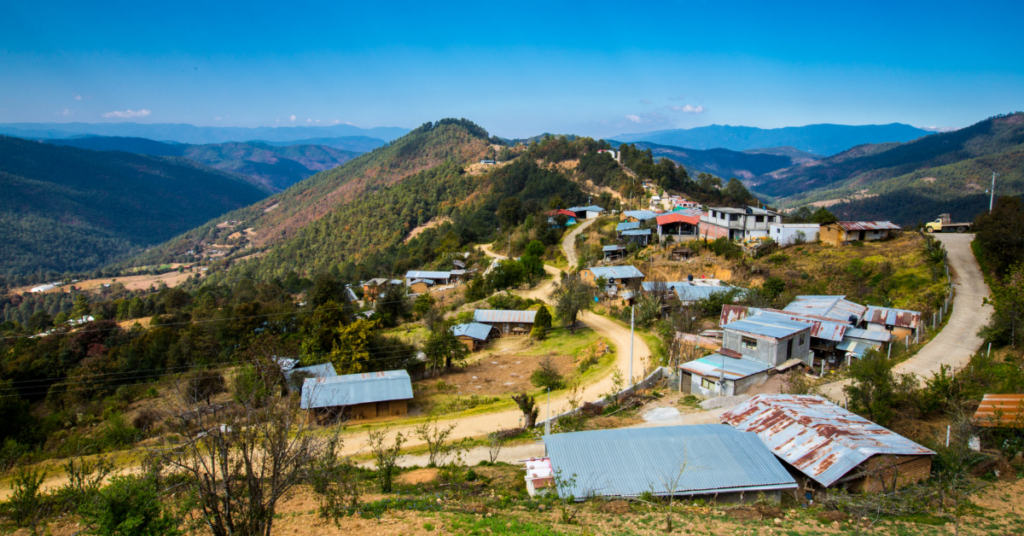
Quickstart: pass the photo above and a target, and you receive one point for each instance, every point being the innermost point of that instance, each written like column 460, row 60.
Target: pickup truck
column 943, row 223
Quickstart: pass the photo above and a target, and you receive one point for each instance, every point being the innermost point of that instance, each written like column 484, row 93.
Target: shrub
column 539, row 332
column 543, row 318
column 203, row 384
column 778, row 258
column 118, row 433
column 146, row 419
column 129, row 506
column 26, row 505
column 547, row 375
column 249, row 387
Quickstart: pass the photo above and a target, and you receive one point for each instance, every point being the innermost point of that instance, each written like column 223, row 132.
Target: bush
column 146, row 419
column 202, row 385
column 543, row 318
column 26, row 505
column 547, row 375
column 539, row 332
column 129, row 506
column 118, row 433
column 249, row 387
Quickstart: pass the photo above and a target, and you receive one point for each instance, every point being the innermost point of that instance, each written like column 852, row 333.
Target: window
column 749, row 343
column 801, row 341
column 758, row 219
column 734, row 217
column 708, row 384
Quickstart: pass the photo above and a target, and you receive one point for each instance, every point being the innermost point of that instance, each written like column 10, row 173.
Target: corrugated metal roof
column 868, row 225
column 498, row 315
column 590, row 208
column 769, row 327
column 677, row 217
column 735, row 369
column 475, row 330
column 421, row 274
column 817, row 437
column 820, row 329
column 868, row 335
column 615, row 272
column 893, row 317
column 692, row 293
column 636, row 232
column 613, row 248
column 323, row 370
column 1000, row 411
column 641, row 214
column 836, row 308
column 858, row 348
column 732, row 313
column 628, row 462
column 627, row 225
column 354, row 389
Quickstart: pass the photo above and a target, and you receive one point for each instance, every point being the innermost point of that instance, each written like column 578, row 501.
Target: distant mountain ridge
column 823, row 139
column 912, row 181
column 185, row 133
column 274, row 167
column 719, row 162
column 69, row 209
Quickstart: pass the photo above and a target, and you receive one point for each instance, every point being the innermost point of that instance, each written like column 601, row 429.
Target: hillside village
column 631, row 362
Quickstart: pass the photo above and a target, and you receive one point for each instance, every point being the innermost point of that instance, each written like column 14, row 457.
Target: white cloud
column 680, row 97
column 645, row 101
column 688, row 109
column 66, row 112
column 128, row 114
column 634, row 119
column 291, row 118
column 939, row 129
column 78, row 97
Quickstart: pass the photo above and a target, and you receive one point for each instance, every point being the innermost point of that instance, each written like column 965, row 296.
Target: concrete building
column 844, row 232
column 436, row 278
column 725, row 373
column 769, row 340
column 709, row 461
column 737, row 223
column 475, row 335
column 506, row 322
column 540, row 478
column 788, row 234
column 678, row 224
column 587, row 212
column 826, row 446
column 368, row 395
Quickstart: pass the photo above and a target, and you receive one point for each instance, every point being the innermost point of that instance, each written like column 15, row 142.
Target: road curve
column 569, row 242
column 955, row 344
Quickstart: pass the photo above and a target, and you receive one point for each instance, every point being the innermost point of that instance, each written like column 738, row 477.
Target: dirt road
column 955, row 344
column 541, row 291
column 569, row 242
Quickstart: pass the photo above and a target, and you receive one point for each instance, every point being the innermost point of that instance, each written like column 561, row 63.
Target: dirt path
column 569, row 242
column 540, row 292
column 955, row 344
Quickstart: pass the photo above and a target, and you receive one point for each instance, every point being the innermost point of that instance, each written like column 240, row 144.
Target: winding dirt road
column 955, row 344
column 569, row 242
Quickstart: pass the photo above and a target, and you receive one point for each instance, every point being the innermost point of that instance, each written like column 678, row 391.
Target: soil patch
column 498, row 373
column 417, row 476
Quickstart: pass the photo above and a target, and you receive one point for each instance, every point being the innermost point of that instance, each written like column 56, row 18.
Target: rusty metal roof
column 817, row 437
column 821, row 328
column 497, row 315
column 732, row 313
column 774, row 327
column 868, row 225
column 901, row 318
column 835, row 308
column 1000, row 411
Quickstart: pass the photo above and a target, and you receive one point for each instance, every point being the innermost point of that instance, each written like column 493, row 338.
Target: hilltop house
column 724, row 373
column 638, row 236
column 844, row 232
column 771, row 340
column 738, row 223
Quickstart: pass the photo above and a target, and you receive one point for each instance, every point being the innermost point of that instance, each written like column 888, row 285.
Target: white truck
column 945, row 224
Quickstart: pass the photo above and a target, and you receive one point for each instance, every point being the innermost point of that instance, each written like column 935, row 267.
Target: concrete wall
column 786, row 235
column 769, row 350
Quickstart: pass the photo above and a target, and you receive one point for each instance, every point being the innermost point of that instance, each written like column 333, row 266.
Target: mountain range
column 69, row 209
column 726, row 163
column 912, row 181
column 823, row 139
column 275, row 167
column 184, row 133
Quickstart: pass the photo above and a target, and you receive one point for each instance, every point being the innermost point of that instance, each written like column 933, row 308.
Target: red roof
column 676, row 217
column 561, row 212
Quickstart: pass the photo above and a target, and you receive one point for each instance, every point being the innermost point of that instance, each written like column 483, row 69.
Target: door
column 685, row 382
column 861, row 236
column 383, row 409
column 789, row 349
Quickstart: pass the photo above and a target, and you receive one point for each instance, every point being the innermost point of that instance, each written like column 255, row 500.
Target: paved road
column 955, row 344
column 569, row 242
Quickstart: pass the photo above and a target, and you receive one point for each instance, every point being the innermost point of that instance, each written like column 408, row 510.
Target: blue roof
column 734, row 369
column 690, row 293
column 770, row 327
column 636, row 232
column 475, row 330
column 613, row 248
column 323, row 370
column 591, row 208
column 353, row 389
column 627, row 225
column 713, row 458
column 423, row 274
column 615, row 272
column 641, row 214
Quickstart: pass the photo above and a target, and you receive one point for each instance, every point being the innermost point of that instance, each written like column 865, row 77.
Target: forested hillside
column 909, row 181
column 284, row 215
column 66, row 209
column 719, row 162
column 275, row 167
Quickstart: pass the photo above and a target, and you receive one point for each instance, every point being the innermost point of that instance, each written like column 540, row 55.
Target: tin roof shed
column 352, row 389
column 473, row 330
column 817, row 437
column 776, row 328
column 616, row 272
column 734, row 368
column 497, row 315
column 837, row 308
column 627, row 225
column 628, row 462
column 900, row 318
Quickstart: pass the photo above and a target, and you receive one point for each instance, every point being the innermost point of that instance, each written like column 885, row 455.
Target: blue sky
column 518, row 68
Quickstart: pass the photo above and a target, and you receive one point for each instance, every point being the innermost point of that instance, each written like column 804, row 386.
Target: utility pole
column 547, row 422
column 992, row 192
column 632, row 312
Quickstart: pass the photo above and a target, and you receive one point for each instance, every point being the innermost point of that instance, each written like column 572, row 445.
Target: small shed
column 639, row 215
column 709, row 461
column 899, row 322
column 626, row 226
column 507, row 322
column 421, row 286
column 618, row 276
column 587, row 212
column 788, row 234
column 296, row 376
column 844, row 232
column 475, row 335
column 440, row 278
column 613, row 252
column 639, row 236
column 725, row 373
column 828, row 446
column 368, row 395
column 769, row 340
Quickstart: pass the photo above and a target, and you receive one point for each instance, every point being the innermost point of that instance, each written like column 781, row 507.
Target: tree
column 556, row 203
column 129, row 506
column 543, row 318
column 822, row 216
column 443, row 348
column 350, row 353
column 528, row 406
column 509, row 212
column 876, row 389
column 535, row 248
column 508, row 273
column 773, row 286
column 385, row 455
column 202, row 385
column 424, row 302
column 571, row 297
column 393, row 303
column 547, row 376
column 1000, row 234
column 1008, row 299
column 319, row 331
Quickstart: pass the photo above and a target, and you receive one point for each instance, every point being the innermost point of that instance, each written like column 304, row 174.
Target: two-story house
column 738, row 223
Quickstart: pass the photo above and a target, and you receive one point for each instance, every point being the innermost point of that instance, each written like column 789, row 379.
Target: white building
column 787, row 234
column 738, row 223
